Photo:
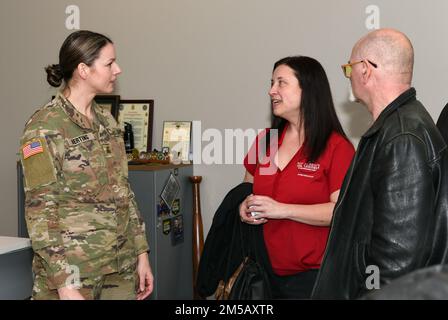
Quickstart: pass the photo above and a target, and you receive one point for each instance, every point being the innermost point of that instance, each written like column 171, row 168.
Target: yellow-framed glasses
column 347, row 68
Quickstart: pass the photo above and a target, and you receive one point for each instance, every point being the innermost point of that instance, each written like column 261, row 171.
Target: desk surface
column 156, row 167
column 9, row 244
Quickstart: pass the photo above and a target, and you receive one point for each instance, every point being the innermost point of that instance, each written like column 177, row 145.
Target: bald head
column 391, row 50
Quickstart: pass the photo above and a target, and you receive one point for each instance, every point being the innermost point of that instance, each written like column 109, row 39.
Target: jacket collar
column 409, row 94
column 77, row 117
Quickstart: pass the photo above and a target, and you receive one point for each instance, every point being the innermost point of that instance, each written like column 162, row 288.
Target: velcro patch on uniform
column 32, row 148
column 38, row 169
column 80, row 139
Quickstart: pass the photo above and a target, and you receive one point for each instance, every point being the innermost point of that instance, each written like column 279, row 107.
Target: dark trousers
column 296, row 286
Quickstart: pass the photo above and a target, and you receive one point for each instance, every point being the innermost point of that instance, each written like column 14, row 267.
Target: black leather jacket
column 393, row 205
column 224, row 249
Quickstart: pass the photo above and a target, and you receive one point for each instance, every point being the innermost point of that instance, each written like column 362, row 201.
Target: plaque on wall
column 139, row 113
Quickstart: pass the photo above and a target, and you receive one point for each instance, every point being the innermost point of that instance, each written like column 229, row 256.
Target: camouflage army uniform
column 80, row 211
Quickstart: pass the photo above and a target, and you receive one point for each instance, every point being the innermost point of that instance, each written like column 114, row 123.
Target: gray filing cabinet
column 170, row 256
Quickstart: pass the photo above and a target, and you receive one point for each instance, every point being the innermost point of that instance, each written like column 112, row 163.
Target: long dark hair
column 317, row 113
column 80, row 46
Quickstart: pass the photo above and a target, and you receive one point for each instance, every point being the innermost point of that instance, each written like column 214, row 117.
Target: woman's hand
column 246, row 213
column 67, row 293
column 145, row 277
column 266, row 207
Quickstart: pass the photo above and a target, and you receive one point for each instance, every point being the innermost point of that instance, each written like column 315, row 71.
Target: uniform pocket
column 83, row 168
column 38, row 231
column 119, row 151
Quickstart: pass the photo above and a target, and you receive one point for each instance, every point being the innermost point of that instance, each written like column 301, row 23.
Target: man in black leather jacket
column 391, row 215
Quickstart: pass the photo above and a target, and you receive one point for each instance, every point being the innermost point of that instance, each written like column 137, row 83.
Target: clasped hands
column 264, row 208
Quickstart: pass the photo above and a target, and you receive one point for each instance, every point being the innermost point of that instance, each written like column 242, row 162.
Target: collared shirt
column 294, row 246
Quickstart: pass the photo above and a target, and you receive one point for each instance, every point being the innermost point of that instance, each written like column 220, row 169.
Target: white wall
column 207, row 60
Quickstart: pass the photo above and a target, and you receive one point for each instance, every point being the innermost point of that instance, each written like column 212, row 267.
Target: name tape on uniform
column 80, row 139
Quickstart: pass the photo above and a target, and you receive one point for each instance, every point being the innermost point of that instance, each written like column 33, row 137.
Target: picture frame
column 140, row 114
column 177, row 137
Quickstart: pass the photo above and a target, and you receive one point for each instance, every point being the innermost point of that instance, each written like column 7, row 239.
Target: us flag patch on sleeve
column 32, row 148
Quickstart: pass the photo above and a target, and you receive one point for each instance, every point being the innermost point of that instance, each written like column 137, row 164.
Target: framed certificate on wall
column 139, row 113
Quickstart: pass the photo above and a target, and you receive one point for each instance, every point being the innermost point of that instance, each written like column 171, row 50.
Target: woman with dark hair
column 88, row 238
column 296, row 182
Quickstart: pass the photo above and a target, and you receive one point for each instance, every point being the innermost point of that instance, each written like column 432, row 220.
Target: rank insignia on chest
column 31, row 149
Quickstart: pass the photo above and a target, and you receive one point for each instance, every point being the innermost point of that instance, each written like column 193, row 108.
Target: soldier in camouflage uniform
column 81, row 214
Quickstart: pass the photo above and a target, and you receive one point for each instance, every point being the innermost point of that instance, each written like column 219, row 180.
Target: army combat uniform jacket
column 80, row 211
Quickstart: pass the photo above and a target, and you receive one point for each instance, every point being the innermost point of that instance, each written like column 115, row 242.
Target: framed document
column 176, row 136
column 139, row 113
column 109, row 102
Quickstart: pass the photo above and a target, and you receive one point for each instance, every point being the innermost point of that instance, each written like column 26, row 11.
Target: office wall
column 205, row 60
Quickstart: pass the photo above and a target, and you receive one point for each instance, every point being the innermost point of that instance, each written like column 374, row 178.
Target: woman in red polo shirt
column 296, row 182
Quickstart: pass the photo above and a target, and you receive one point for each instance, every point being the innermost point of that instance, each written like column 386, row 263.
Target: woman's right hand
column 246, row 215
column 67, row 293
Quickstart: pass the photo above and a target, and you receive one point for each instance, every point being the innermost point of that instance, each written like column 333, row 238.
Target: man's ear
column 365, row 72
column 83, row 70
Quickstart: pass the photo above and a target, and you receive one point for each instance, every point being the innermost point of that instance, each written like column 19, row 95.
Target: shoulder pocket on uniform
column 38, row 165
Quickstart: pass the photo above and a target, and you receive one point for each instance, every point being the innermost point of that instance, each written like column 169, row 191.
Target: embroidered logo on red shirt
column 306, row 169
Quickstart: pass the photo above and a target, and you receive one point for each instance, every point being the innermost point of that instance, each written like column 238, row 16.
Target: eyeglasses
column 347, row 68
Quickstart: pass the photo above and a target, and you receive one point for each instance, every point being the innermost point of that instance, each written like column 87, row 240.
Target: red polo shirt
column 293, row 246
